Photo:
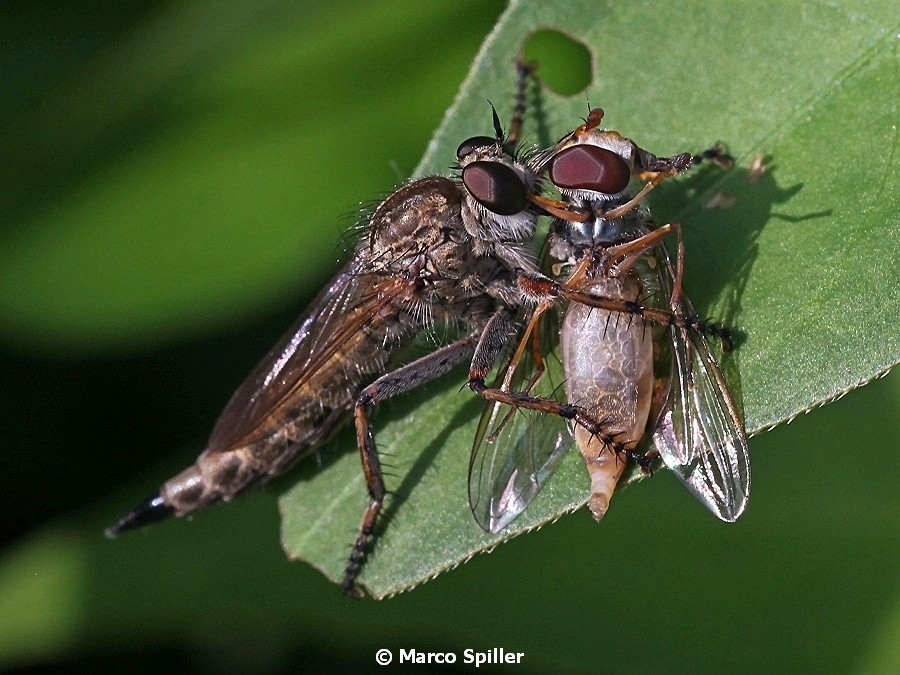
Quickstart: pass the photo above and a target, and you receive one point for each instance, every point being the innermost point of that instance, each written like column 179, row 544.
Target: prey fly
column 635, row 363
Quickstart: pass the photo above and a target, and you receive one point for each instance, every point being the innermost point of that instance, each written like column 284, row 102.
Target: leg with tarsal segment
column 717, row 154
column 613, row 260
column 618, row 259
column 580, row 415
column 489, row 347
column 397, row 382
column 523, row 72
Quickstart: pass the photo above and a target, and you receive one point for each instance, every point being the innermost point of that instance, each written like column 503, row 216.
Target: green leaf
column 121, row 244
column 804, row 261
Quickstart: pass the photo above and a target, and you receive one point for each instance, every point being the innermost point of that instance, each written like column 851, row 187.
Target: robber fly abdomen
column 390, row 292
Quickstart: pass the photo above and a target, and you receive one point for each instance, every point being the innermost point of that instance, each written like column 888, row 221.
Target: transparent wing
column 700, row 435
column 516, row 451
column 335, row 315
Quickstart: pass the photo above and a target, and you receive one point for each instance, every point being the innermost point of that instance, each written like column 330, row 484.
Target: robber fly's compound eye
column 588, row 167
column 471, row 145
column 497, row 187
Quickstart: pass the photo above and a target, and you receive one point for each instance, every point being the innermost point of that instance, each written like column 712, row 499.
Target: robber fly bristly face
column 438, row 252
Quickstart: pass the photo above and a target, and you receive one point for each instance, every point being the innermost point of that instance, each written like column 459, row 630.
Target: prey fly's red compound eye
column 470, row 145
column 496, row 186
column 589, row 167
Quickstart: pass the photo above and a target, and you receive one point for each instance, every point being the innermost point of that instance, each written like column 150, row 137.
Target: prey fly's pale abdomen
column 608, row 362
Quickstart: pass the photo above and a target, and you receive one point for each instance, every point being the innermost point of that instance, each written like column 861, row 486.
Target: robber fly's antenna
column 498, row 127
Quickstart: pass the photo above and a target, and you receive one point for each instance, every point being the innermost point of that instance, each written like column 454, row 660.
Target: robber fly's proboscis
column 635, row 366
column 440, row 256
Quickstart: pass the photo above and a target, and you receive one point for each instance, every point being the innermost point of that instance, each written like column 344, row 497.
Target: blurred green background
column 175, row 181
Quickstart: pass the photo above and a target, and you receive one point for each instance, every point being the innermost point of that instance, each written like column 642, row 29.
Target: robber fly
column 437, row 253
column 636, row 364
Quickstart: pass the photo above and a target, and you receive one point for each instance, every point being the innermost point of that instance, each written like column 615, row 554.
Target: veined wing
column 516, row 450
column 700, row 435
column 336, row 314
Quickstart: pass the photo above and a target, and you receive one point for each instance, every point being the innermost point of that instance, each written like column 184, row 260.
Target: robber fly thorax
column 634, row 357
column 437, row 253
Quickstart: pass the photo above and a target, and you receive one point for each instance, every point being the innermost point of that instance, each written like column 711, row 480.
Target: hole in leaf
column 564, row 63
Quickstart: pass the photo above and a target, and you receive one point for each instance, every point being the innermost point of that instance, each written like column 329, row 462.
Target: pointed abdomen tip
column 151, row 510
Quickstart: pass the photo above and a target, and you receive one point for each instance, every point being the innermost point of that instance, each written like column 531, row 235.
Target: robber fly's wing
column 335, row 315
column 700, row 435
column 516, row 450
